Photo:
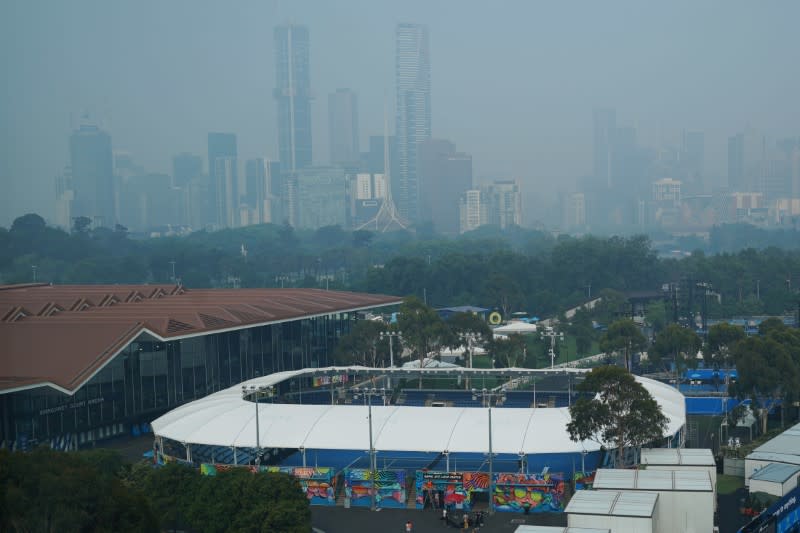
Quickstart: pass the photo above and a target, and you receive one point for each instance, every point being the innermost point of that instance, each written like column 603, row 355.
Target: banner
column 318, row 484
column 529, row 493
column 321, row 381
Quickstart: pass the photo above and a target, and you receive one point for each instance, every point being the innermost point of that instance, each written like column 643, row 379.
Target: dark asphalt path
column 341, row 520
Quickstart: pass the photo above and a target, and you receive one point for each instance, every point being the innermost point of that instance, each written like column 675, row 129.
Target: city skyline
column 539, row 131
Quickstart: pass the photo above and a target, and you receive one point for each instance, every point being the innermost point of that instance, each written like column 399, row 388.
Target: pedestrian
column 466, row 522
column 409, row 526
column 444, row 514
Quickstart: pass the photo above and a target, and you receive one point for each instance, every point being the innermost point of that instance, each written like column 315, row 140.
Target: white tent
column 516, row 327
column 226, row 419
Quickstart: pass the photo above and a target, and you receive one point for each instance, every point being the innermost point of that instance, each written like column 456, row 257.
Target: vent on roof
column 53, row 311
column 135, row 296
column 176, row 326
column 215, row 321
column 17, row 316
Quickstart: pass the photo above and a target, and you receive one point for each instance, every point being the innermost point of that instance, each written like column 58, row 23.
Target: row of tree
column 46, row 490
column 512, row 270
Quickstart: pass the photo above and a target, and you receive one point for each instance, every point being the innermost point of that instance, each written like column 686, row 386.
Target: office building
column 443, row 176
column 343, row 125
column 222, row 158
column 573, row 212
column 505, row 203
column 257, row 197
column 92, row 175
column 186, row 167
column 413, row 122
column 293, row 96
column 321, row 197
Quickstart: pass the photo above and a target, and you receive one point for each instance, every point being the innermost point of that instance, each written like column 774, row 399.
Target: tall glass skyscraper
column 92, row 175
column 293, row 94
column 413, row 78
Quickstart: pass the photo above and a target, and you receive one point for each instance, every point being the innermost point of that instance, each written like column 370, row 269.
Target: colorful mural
column 318, row 484
column 390, row 488
column 450, row 489
column 529, row 493
column 584, row 480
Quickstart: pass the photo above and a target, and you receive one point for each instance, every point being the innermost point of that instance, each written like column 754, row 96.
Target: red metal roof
column 62, row 335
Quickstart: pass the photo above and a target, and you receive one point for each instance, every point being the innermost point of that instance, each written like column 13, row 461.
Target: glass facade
column 150, row 377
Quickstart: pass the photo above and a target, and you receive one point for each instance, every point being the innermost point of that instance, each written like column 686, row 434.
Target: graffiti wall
column 584, row 480
column 390, row 488
column 529, row 493
column 449, row 489
column 318, row 484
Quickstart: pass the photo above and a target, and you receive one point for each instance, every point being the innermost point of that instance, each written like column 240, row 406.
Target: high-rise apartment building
column 321, row 197
column 92, row 175
column 413, row 122
column 473, row 210
column 293, row 95
column 343, row 124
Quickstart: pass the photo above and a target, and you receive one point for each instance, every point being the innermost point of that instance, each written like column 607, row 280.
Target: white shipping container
column 620, row 512
column 689, row 459
column 685, row 498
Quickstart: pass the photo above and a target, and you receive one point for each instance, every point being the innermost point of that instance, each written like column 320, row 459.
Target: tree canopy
column 621, row 414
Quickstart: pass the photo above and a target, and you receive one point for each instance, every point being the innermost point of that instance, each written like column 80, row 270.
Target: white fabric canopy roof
column 226, row 419
column 516, row 327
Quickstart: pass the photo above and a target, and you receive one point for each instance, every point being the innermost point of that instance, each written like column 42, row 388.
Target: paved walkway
column 341, row 520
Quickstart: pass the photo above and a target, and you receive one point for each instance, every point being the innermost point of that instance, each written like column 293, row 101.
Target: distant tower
column 92, row 175
column 413, row 124
column 293, row 94
column 343, row 124
column 605, row 124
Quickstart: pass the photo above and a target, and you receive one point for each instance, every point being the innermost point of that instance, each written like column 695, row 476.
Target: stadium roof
column 62, row 335
column 226, row 419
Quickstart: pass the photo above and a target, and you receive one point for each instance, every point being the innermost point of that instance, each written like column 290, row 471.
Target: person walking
column 444, row 514
column 409, row 527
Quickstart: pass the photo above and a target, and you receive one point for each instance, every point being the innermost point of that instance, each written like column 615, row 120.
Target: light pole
column 551, row 333
column 368, row 394
column 391, row 335
column 470, row 337
column 488, row 396
column 251, row 393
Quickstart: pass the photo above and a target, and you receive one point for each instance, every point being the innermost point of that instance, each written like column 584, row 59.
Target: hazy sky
column 513, row 83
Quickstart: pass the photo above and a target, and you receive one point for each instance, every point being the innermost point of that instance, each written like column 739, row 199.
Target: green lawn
column 728, row 484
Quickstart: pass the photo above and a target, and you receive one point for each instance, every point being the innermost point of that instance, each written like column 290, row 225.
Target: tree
column 465, row 324
column 30, row 223
column 722, row 338
column 678, row 344
column 363, row 345
column 422, row 327
column 623, row 336
column 81, row 225
column 622, row 414
column 509, row 352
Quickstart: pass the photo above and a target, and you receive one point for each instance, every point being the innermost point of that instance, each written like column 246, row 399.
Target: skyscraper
column 605, row 126
column 293, row 94
column 343, row 124
column 185, row 168
column 736, row 173
column 92, row 175
column 222, row 171
column 413, row 78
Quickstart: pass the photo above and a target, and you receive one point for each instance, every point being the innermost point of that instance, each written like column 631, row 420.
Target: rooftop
column 677, row 456
column 656, row 480
column 787, row 443
column 61, row 335
column 776, row 473
column 613, row 503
